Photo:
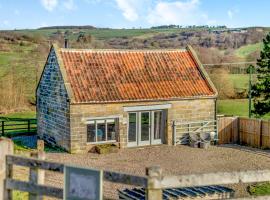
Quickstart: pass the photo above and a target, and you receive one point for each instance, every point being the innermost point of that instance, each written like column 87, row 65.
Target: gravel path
column 173, row 160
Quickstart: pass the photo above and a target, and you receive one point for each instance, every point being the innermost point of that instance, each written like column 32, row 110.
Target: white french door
column 146, row 127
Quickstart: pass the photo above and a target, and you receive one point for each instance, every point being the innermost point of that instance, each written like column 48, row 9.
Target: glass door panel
column 132, row 129
column 158, row 129
column 145, row 128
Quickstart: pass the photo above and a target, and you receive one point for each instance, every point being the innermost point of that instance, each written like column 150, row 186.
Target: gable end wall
column 53, row 123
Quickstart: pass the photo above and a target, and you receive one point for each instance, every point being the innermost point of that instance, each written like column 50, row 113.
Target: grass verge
column 259, row 189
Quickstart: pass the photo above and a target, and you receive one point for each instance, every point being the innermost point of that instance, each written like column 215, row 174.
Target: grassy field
column 27, row 115
column 244, row 51
column 104, row 33
column 235, row 107
column 21, row 65
column 240, row 81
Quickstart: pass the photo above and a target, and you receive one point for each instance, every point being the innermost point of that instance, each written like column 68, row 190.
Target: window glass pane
column 101, row 133
column 91, row 132
column 132, row 120
column 111, row 130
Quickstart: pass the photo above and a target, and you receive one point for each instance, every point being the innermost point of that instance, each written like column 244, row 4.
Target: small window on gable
column 101, row 130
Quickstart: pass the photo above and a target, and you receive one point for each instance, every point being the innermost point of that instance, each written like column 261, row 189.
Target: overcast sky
column 20, row 14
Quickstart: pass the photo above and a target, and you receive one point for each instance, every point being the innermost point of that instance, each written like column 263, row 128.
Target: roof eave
column 146, row 100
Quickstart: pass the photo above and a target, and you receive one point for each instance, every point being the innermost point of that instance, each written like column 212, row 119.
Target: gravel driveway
column 173, row 160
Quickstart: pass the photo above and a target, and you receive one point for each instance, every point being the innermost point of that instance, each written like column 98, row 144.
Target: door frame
column 162, row 131
column 151, row 140
column 133, row 143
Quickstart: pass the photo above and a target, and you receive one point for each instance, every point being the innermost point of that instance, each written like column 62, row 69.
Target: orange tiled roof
column 124, row 75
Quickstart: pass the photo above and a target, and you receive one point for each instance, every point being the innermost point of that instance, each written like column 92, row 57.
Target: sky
column 22, row 14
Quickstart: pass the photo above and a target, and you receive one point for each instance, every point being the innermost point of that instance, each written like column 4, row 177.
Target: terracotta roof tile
column 113, row 75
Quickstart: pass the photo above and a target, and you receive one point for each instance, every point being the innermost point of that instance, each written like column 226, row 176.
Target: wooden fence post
column 37, row 176
column 260, row 132
column 240, row 131
column 6, row 148
column 154, row 189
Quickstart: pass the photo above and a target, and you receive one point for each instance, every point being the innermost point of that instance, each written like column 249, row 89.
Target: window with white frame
column 101, row 130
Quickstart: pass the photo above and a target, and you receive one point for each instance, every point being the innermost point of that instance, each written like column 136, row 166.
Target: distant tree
column 261, row 89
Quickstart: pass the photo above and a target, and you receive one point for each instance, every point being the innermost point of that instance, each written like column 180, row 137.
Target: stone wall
column 184, row 110
column 53, row 106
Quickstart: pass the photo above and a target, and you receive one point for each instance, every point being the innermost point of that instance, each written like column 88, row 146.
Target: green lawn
column 236, row 107
column 244, row 51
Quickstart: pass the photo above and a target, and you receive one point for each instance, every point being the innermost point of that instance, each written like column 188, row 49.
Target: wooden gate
column 181, row 131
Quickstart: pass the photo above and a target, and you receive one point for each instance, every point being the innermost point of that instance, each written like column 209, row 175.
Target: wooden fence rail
column 13, row 126
column 56, row 167
column 154, row 182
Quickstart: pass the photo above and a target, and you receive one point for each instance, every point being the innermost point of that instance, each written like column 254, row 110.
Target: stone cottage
column 127, row 97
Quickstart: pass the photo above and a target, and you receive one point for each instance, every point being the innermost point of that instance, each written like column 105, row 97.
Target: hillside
column 23, row 52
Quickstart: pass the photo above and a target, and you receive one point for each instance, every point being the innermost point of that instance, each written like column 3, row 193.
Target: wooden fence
column 154, row 181
column 228, row 130
column 244, row 131
column 10, row 127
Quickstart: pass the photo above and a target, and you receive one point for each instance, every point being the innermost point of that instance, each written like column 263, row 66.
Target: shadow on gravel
column 248, row 149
